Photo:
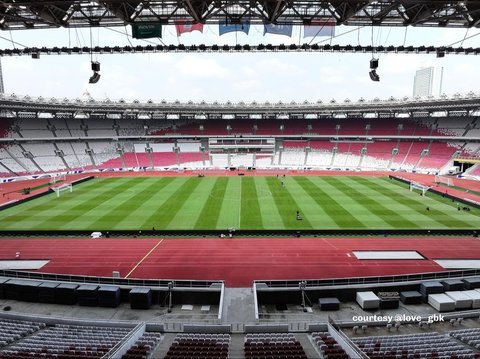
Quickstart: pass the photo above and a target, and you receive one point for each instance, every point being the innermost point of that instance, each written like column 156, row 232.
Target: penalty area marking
column 143, row 259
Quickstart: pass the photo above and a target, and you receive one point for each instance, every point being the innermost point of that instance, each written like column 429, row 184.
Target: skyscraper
column 423, row 82
column 2, row 90
column 428, row 81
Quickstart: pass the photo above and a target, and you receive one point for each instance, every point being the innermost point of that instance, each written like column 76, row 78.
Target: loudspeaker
column 374, row 76
column 95, row 66
column 94, row 79
column 373, row 63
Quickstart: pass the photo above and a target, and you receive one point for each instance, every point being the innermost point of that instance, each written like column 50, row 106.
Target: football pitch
column 190, row 203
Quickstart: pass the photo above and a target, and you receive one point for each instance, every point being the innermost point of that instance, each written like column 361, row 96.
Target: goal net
column 417, row 186
column 444, row 179
column 61, row 188
column 58, row 178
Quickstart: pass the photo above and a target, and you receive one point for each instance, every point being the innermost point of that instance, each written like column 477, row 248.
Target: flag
column 184, row 26
column 278, row 29
column 320, row 28
column 146, row 30
column 224, row 27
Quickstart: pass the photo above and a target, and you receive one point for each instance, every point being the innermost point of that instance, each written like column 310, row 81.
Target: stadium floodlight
column 95, row 66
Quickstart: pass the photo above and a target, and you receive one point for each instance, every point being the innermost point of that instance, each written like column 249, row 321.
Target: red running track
column 238, row 261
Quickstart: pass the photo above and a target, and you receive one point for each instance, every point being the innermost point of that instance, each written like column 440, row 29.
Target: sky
column 237, row 77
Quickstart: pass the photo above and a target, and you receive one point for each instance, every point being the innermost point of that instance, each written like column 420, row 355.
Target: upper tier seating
column 5, row 127
column 88, row 153
column 453, row 126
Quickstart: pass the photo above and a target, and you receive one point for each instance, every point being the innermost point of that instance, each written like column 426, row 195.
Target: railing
column 248, row 232
column 371, row 280
column 111, row 281
column 126, row 343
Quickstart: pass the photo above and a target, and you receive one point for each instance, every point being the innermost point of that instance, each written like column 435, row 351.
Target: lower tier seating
column 199, row 346
column 273, row 345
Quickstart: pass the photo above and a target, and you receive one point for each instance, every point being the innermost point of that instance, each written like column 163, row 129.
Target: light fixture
column 95, row 66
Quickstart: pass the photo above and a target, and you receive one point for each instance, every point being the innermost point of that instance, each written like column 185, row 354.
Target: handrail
column 371, row 280
column 107, row 280
column 122, row 346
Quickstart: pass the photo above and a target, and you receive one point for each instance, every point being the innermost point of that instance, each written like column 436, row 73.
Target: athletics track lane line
column 144, row 258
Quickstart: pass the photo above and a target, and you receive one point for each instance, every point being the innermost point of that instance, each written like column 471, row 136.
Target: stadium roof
column 459, row 105
column 18, row 14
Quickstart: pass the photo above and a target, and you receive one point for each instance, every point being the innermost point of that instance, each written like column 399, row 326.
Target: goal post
column 444, row 179
column 61, row 188
column 417, row 186
column 57, row 178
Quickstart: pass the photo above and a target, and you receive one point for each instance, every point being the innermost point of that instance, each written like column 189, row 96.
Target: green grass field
column 239, row 202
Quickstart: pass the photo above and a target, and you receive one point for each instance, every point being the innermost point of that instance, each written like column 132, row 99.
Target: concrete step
column 236, row 347
column 162, row 348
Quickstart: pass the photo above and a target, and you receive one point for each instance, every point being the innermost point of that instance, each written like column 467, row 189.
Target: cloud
column 237, row 77
column 247, row 85
column 277, row 66
column 197, row 67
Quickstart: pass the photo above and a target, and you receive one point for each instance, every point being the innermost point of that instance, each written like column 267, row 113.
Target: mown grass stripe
column 336, row 212
column 271, row 219
column 286, row 204
column 230, row 211
column 165, row 213
column 240, row 202
column 372, row 205
column 250, row 215
column 44, row 204
column 192, row 207
column 80, row 216
column 211, row 209
column 136, row 218
column 310, row 208
column 129, row 204
column 71, row 208
column 417, row 205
